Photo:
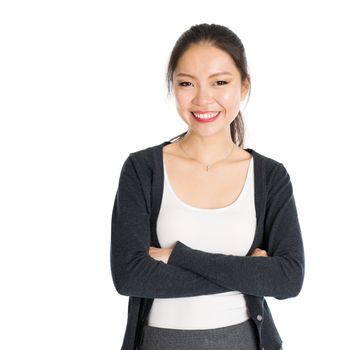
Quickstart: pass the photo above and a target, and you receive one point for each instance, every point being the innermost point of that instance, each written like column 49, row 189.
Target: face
column 198, row 90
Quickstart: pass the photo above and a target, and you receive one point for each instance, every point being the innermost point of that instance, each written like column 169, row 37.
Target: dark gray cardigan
column 192, row 272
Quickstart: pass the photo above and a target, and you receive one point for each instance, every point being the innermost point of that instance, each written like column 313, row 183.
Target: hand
column 161, row 254
column 259, row 252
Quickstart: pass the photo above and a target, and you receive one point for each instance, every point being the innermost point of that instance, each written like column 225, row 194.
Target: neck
column 208, row 149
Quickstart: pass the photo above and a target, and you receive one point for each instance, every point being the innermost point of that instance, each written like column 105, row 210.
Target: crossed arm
column 162, row 254
column 150, row 272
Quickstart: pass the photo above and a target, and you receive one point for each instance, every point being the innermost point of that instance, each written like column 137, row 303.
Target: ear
column 245, row 88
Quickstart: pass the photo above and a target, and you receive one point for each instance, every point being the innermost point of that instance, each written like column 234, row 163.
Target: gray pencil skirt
column 242, row 336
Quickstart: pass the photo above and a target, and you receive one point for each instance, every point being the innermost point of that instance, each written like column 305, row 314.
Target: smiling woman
column 202, row 88
column 210, row 61
column 202, row 227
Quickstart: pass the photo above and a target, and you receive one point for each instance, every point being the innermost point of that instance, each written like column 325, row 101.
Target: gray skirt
column 242, row 336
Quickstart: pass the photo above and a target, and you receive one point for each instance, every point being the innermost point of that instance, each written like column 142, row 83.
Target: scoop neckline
column 227, row 207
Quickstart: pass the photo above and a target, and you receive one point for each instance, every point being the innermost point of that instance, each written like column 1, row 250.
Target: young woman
column 203, row 228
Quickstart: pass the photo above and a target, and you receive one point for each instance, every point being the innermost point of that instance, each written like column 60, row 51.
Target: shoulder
column 278, row 181
column 273, row 169
column 143, row 161
column 266, row 159
column 148, row 151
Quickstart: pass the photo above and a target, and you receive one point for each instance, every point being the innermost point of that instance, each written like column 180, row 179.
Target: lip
column 206, row 120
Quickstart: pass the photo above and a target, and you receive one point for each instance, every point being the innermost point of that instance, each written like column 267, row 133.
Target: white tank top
column 227, row 230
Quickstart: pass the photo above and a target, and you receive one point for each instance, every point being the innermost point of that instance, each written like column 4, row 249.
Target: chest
column 216, row 188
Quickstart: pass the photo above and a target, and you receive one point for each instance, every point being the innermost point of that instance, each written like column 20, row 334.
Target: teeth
column 206, row 115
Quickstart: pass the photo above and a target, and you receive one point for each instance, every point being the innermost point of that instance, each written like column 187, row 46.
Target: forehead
column 205, row 60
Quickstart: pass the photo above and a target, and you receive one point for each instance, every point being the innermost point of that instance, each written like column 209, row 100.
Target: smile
column 205, row 117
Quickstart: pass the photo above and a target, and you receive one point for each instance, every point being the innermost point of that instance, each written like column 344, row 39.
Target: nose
column 203, row 96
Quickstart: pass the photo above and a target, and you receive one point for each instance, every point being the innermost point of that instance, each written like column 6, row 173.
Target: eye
column 184, row 82
column 222, row 81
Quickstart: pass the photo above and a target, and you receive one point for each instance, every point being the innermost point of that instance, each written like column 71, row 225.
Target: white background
column 82, row 84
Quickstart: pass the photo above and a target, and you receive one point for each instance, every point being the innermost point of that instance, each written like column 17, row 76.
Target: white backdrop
column 82, row 84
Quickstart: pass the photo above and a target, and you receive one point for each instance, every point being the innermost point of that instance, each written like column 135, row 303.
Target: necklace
column 206, row 165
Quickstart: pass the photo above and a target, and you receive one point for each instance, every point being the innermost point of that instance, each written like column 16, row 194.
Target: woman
column 202, row 228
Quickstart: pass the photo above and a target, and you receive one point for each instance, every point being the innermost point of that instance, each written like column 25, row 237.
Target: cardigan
column 192, row 272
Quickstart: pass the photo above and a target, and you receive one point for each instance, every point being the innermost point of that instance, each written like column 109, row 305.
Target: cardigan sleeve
column 134, row 271
column 279, row 275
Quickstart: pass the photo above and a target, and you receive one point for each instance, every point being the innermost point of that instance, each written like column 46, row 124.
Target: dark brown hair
column 222, row 38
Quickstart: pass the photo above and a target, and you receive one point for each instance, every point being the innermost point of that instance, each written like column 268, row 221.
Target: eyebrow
column 212, row 75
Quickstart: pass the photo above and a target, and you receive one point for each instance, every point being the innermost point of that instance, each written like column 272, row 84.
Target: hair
column 222, row 38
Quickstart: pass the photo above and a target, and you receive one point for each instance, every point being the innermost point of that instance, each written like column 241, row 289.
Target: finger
column 259, row 252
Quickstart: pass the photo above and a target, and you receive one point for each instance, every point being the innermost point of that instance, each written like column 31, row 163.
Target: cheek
column 182, row 99
column 229, row 98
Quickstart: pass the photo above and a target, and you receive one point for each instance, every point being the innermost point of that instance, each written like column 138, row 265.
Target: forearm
column 279, row 277
column 149, row 278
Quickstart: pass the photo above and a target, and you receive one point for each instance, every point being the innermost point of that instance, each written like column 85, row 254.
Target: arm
column 281, row 274
column 134, row 272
